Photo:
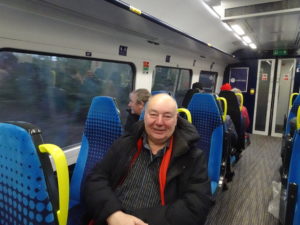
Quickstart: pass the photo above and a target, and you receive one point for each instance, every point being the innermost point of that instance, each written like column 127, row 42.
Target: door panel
column 284, row 84
column 264, row 85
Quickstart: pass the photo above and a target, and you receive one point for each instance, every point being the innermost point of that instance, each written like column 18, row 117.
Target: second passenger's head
column 197, row 85
column 226, row 87
column 160, row 118
column 137, row 100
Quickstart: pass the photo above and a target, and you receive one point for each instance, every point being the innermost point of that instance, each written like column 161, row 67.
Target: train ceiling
column 271, row 24
column 108, row 14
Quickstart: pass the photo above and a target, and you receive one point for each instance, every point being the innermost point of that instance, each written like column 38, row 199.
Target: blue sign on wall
column 123, row 50
column 238, row 78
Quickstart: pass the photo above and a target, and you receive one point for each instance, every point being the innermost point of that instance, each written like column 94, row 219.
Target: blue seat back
column 294, row 174
column 161, row 91
column 206, row 117
column 102, row 127
column 24, row 197
column 292, row 114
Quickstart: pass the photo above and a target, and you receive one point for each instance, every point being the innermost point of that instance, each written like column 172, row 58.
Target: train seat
column 288, row 137
column 102, row 127
column 207, row 119
column 292, row 212
column 28, row 189
column 161, row 91
column 293, row 111
column 230, row 137
column 235, row 114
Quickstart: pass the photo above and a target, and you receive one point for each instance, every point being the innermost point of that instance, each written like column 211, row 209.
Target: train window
column 54, row 92
column 238, row 78
column 208, row 80
column 175, row 80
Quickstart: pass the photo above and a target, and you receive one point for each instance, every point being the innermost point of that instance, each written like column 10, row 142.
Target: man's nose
column 159, row 120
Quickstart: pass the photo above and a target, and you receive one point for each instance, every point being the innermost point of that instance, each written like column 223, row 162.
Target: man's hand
column 121, row 218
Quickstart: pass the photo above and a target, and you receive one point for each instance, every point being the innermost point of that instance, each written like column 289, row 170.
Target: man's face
column 135, row 107
column 160, row 118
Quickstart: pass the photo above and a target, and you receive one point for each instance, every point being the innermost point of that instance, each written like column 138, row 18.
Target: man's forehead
column 162, row 108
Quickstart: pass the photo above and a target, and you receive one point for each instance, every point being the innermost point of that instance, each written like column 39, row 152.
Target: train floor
column 250, row 192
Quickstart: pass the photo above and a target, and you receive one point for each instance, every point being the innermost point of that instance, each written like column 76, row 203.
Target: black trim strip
column 153, row 19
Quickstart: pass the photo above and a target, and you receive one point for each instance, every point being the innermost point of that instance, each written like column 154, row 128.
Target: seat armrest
column 61, row 166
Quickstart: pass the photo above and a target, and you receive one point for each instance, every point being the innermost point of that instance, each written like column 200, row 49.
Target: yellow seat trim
column 242, row 100
column 187, row 113
column 291, row 99
column 221, row 99
column 61, row 165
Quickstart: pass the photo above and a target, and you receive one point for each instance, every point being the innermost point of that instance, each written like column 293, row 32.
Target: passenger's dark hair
column 197, row 85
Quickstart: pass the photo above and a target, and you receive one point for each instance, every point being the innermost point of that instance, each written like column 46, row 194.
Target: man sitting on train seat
column 155, row 175
column 245, row 117
column 196, row 88
column 226, row 87
column 137, row 101
column 244, row 111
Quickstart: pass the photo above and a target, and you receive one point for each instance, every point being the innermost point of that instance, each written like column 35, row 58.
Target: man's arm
column 99, row 196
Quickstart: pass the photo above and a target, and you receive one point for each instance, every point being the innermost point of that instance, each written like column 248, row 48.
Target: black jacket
column 187, row 192
column 130, row 121
column 188, row 96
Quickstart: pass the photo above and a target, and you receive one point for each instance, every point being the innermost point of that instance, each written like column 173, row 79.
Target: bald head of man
column 160, row 119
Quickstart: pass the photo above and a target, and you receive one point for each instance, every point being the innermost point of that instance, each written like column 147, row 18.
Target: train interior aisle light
column 247, row 39
column 237, row 36
column 219, row 10
column 238, row 29
column 253, row 46
column 227, row 26
column 245, row 43
column 210, row 10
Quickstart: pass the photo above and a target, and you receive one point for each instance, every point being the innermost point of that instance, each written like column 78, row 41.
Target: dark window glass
column 238, row 78
column 174, row 80
column 208, row 80
column 263, row 94
column 55, row 92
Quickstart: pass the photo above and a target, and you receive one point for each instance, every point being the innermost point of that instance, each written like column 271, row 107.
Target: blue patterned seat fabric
column 207, row 119
column 161, row 92
column 294, row 176
column 102, row 128
column 24, row 198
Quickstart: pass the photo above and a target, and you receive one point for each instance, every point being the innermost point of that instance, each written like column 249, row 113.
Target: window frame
column 209, row 73
column 177, row 80
column 52, row 54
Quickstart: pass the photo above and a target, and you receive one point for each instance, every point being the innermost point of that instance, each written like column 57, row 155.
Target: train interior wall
column 47, row 29
column 249, row 98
